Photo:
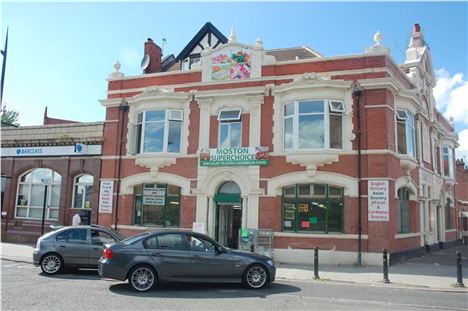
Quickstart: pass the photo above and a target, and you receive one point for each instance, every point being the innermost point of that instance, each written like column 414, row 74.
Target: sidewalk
column 436, row 271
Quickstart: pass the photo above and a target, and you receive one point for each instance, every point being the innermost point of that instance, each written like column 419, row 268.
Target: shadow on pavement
column 69, row 273
column 203, row 290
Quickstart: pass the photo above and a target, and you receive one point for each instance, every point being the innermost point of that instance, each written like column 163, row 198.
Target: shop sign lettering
column 377, row 191
column 237, row 156
column 106, row 195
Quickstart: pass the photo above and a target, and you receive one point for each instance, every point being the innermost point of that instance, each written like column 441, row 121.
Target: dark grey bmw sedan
column 185, row 256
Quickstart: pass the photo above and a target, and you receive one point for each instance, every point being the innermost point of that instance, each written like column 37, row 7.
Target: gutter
column 123, row 108
column 357, row 92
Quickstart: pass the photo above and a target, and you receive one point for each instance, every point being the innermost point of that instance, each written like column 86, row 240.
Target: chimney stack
column 155, row 54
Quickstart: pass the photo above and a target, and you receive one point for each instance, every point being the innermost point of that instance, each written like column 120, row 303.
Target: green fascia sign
column 234, row 156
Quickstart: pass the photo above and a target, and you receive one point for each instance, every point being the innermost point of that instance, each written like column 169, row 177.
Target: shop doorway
column 228, row 218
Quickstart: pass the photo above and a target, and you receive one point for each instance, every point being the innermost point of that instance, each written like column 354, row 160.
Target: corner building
column 228, row 136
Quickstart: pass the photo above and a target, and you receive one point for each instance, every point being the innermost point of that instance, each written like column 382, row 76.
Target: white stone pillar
column 244, row 211
column 252, row 211
column 205, row 112
column 255, row 103
column 211, row 216
column 200, row 214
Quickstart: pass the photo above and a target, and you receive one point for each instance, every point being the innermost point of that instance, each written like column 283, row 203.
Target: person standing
column 76, row 220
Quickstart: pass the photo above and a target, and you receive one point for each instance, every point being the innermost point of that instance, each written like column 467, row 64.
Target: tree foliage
column 9, row 116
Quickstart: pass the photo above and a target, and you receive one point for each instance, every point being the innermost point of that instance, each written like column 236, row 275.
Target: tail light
column 108, row 253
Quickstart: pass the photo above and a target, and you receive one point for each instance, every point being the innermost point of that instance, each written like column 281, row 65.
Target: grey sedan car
column 77, row 247
column 178, row 255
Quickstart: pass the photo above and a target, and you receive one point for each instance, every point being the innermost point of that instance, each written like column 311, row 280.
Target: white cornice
column 310, row 80
column 153, row 93
column 111, row 102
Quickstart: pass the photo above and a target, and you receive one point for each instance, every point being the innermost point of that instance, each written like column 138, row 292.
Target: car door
column 73, row 246
column 98, row 239
column 169, row 253
column 206, row 262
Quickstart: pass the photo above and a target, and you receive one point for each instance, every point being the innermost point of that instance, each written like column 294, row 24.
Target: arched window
column 83, row 191
column 403, row 210
column 33, row 188
column 313, row 208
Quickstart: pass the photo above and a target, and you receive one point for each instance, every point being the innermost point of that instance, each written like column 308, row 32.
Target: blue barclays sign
column 29, row 151
column 77, row 149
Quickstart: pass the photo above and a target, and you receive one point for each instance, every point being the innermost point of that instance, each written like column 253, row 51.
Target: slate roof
column 294, row 53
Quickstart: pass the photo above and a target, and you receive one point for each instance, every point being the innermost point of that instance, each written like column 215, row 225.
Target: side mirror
column 221, row 250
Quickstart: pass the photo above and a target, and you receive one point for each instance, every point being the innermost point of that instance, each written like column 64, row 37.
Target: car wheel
column 51, row 264
column 256, row 276
column 142, row 278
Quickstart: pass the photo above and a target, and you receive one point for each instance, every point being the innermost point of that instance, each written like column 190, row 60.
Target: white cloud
column 130, row 60
column 451, row 95
column 462, row 151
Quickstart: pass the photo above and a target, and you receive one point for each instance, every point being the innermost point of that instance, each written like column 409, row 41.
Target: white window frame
column 76, row 183
column 449, row 154
column 229, row 125
column 237, row 118
column 167, row 118
column 49, row 196
column 327, row 110
column 401, row 116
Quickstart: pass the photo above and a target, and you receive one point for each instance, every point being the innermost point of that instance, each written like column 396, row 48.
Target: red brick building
column 230, row 136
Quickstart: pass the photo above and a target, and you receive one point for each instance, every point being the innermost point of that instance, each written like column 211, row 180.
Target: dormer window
column 190, row 61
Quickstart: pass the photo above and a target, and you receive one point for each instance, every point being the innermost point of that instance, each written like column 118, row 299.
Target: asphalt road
column 24, row 287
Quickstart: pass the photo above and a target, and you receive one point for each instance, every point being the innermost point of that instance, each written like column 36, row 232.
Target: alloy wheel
column 256, row 276
column 142, row 278
column 51, row 264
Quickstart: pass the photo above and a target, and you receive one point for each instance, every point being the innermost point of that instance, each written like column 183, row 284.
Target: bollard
column 459, row 270
column 385, row 267
column 316, row 275
column 252, row 248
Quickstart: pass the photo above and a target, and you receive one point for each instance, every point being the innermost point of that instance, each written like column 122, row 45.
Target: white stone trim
column 349, row 184
column 406, row 181
column 129, row 182
column 313, row 235
column 407, row 235
column 328, row 257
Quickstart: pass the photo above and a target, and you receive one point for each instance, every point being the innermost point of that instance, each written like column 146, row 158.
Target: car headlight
column 270, row 262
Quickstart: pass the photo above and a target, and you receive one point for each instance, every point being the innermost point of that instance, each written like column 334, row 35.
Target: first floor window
column 447, row 162
column 33, row 188
column 314, row 124
column 157, row 131
column 230, row 128
column 405, row 132
column 157, row 205
column 313, row 208
column 83, row 191
column 403, row 210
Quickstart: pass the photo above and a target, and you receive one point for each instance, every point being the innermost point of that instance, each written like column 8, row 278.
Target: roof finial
column 232, row 36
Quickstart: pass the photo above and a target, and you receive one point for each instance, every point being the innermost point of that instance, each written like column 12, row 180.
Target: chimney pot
column 416, row 28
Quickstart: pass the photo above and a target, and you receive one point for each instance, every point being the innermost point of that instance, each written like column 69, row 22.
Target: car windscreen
column 119, row 235
column 134, row 238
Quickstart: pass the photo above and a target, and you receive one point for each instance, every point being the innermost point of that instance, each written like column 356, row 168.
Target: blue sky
column 60, row 54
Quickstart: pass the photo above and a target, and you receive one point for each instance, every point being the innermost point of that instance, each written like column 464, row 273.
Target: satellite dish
column 145, row 62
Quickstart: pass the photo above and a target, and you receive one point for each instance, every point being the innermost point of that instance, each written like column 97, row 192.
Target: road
column 24, row 287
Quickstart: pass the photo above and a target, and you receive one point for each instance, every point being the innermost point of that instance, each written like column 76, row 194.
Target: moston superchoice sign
column 234, row 156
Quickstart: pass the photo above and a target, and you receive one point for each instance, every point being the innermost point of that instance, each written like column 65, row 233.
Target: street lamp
column 45, row 182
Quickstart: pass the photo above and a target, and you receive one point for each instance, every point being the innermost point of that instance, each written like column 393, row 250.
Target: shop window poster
column 234, row 66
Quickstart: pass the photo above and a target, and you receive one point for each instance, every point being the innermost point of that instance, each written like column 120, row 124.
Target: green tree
column 10, row 116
